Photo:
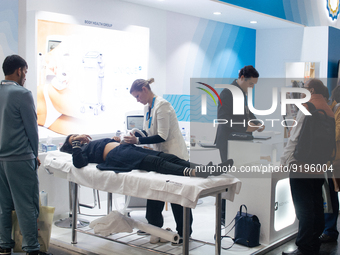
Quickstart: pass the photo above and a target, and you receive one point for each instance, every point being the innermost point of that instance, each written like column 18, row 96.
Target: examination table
column 149, row 185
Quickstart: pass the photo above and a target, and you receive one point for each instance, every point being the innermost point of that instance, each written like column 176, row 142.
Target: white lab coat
column 165, row 124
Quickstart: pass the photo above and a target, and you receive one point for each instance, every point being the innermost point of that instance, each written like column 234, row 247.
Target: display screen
column 85, row 74
column 134, row 122
column 52, row 44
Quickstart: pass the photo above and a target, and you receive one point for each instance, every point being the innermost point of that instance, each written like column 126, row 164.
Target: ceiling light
column 253, row 22
column 217, row 13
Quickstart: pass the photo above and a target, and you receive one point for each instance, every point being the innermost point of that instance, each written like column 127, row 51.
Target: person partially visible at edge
column 308, row 205
column 161, row 126
column 247, row 78
column 330, row 232
column 19, row 187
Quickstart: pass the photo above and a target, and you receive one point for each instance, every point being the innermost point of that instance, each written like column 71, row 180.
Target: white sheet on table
column 151, row 185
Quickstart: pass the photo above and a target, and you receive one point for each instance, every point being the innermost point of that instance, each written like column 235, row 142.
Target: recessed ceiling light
column 253, row 22
column 217, row 13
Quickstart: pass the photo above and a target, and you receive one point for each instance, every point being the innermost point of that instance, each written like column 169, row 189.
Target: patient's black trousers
column 165, row 163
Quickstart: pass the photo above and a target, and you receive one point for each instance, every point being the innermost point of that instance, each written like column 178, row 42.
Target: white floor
column 203, row 229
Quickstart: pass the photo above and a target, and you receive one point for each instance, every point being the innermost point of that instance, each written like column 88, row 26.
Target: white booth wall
column 276, row 47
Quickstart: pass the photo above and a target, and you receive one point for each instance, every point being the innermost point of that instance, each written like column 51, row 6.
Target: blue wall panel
column 223, row 49
column 304, row 12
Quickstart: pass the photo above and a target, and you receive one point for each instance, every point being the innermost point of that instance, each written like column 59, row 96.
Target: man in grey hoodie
column 19, row 187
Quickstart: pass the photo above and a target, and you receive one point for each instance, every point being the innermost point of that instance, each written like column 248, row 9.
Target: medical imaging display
column 84, row 76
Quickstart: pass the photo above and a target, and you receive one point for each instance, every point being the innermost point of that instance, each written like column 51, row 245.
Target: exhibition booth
column 83, row 56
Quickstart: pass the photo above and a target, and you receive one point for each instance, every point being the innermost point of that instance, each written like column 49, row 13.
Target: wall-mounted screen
column 85, row 74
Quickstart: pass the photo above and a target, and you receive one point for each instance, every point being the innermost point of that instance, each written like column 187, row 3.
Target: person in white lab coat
column 163, row 134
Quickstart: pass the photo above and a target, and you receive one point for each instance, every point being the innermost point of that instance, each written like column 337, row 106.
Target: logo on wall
column 333, row 8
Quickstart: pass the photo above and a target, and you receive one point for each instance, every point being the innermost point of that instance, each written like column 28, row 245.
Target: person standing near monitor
column 247, row 78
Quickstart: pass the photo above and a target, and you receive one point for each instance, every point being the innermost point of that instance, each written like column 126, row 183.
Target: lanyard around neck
column 148, row 114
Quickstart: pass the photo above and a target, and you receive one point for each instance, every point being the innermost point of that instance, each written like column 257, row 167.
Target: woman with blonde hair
column 163, row 134
column 160, row 123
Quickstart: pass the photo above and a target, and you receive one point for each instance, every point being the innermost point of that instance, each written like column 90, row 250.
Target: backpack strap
column 311, row 107
column 241, row 209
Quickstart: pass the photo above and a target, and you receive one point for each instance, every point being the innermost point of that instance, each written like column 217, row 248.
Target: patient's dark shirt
column 122, row 158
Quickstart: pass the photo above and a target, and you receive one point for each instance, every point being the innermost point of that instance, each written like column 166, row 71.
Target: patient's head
column 67, row 146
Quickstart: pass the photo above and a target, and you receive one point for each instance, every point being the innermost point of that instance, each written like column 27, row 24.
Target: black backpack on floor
column 316, row 141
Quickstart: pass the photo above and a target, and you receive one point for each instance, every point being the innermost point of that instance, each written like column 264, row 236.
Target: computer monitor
column 134, row 119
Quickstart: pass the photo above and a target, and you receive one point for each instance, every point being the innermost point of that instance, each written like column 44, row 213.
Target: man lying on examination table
column 110, row 154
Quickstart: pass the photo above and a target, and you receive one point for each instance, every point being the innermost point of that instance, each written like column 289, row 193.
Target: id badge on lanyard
column 148, row 116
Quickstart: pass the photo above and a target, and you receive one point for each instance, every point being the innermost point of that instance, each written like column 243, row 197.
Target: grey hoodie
column 18, row 123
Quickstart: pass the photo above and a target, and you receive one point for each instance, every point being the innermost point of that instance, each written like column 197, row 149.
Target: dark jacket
column 225, row 111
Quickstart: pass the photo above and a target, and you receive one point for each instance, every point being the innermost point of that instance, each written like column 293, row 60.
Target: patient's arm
column 79, row 159
column 143, row 140
column 82, row 138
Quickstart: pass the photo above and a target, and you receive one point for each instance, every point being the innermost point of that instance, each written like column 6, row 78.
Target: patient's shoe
column 196, row 173
column 208, row 170
column 229, row 163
